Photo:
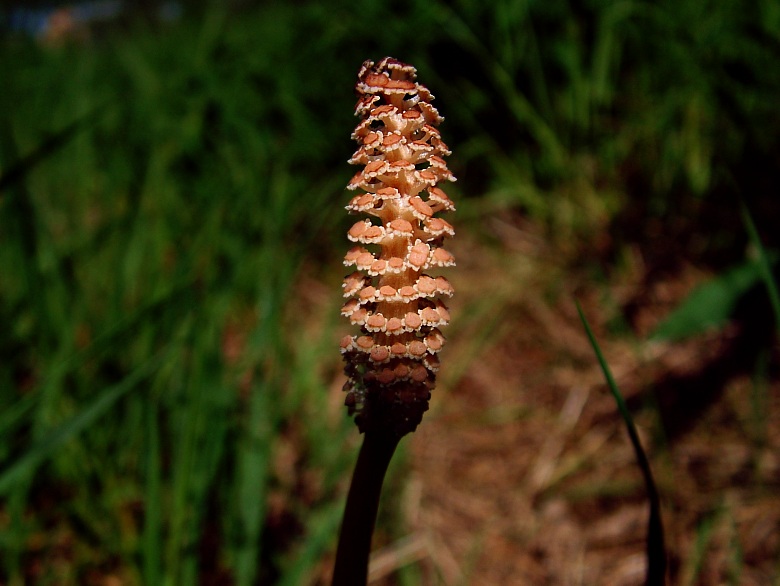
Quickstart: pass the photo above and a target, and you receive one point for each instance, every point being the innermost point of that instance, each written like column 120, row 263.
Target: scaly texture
column 392, row 364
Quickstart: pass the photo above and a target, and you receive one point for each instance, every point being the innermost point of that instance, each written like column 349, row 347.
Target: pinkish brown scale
column 376, row 322
column 379, row 353
column 358, row 316
column 373, row 232
column 429, row 315
column 428, row 175
column 426, row 285
column 386, row 376
column 442, row 256
column 420, row 206
column 396, row 263
column 392, row 139
column 399, row 349
column 365, row 260
column 444, row 286
column 367, row 294
column 378, row 111
column 353, row 254
column 358, row 229
column 375, row 80
column 418, row 254
column 401, row 225
column 373, row 167
column 434, row 341
column 419, row 374
column 417, row 348
column 401, row 370
column 378, row 266
column 365, row 342
column 412, row 321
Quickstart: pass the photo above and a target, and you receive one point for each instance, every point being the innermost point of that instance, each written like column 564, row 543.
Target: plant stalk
column 357, row 527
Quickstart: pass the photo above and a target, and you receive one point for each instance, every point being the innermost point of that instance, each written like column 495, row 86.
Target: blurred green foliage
column 161, row 188
column 711, row 304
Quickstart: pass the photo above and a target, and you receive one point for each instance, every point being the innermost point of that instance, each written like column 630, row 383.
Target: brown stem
column 351, row 568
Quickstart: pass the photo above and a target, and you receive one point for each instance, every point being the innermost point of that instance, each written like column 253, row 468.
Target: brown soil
column 522, row 472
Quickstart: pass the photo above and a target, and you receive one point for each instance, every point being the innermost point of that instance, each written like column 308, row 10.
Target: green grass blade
column 253, row 461
column 764, row 265
column 48, row 147
column 710, row 305
column 15, row 415
column 656, row 552
column 323, row 525
column 153, row 520
column 54, row 439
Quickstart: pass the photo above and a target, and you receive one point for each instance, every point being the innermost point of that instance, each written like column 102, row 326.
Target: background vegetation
column 171, row 228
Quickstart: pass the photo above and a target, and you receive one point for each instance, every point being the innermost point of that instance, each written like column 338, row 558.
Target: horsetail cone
column 392, row 363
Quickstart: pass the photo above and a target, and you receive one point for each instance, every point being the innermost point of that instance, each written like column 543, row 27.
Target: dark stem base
column 351, row 568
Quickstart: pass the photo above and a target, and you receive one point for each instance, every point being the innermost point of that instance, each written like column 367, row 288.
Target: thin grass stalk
column 765, row 266
column 151, row 540
column 655, row 543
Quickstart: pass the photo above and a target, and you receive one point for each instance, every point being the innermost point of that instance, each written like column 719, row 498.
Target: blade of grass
column 519, row 105
column 206, row 432
column 322, row 525
column 153, row 521
column 255, row 447
column 48, row 147
column 656, row 553
column 765, row 268
column 710, row 305
column 75, row 425
column 116, row 333
column 253, row 466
